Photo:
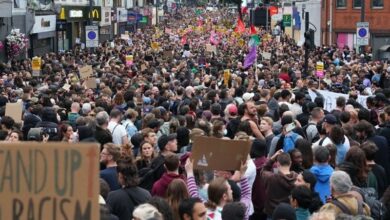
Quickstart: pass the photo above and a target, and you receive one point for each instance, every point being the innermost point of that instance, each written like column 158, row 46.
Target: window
column 377, row 3
column 341, row 3
column 357, row 3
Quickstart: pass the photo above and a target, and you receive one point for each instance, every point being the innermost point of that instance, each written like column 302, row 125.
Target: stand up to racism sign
column 49, row 181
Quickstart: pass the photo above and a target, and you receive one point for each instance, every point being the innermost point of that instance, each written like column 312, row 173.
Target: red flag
column 240, row 27
column 253, row 29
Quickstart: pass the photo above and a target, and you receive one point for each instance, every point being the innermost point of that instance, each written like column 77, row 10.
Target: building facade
column 339, row 18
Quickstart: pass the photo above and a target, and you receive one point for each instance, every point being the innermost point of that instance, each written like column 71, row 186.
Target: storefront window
column 341, row 3
column 377, row 3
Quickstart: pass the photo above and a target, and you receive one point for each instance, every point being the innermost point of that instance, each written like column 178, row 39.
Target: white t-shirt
column 118, row 131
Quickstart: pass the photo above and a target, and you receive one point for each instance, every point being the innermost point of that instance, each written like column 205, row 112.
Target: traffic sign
column 362, row 33
column 92, row 36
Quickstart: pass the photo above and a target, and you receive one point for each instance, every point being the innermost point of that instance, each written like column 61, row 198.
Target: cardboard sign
column 90, row 83
column 219, row 154
column 86, row 71
column 49, row 181
column 168, row 54
column 15, row 111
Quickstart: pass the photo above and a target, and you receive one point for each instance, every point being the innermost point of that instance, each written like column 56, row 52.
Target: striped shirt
column 246, row 192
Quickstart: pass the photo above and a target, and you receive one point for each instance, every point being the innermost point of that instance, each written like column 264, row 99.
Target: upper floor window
column 341, row 3
column 357, row 3
column 377, row 3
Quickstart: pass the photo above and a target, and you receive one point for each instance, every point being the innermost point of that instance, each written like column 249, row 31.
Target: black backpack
column 151, row 174
column 315, row 138
column 370, row 196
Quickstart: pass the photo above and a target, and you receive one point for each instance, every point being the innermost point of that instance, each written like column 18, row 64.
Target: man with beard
column 250, row 115
column 364, row 131
column 109, row 155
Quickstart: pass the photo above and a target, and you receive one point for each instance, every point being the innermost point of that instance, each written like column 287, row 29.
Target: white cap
column 247, row 96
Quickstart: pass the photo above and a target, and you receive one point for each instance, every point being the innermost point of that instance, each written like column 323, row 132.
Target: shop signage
column 72, row 13
column 106, row 16
column 121, row 14
column 131, row 17
column 44, row 24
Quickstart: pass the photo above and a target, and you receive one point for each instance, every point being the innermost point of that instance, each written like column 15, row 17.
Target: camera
column 37, row 134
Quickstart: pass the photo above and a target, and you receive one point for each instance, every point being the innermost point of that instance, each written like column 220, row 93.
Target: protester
column 341, row 184
column 109, row 157
column 123, row 201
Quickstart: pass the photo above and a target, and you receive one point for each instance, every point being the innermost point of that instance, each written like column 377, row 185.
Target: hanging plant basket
column 16, row 43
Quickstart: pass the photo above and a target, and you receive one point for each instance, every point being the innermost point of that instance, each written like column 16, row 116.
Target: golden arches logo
column 94, row 13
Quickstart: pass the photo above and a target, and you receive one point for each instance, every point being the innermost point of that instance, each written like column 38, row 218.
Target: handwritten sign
column 266, row 55
column 14, row 110
column 49, row 181
column 219, row 154
column 86, row 71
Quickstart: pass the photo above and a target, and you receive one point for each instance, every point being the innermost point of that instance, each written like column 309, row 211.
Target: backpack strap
column 322, row 141
column 113, row 130
column 341, row 206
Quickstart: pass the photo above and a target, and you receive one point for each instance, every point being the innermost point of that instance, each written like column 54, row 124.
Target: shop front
column 71, row 23
column 42, row 35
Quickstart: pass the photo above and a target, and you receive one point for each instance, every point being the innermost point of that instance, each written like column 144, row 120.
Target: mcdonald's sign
column 94, row 14
column 76, row 13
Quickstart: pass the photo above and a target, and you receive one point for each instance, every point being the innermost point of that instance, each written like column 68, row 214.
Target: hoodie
column 160, row 187
column 322, row 173
column 278, row 187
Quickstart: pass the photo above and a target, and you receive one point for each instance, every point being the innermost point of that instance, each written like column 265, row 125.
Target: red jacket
column 161, row 185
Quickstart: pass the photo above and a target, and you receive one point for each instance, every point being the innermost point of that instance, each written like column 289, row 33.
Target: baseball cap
column 247, row 96
column 232, row 109
column 330, row 119
column 164, row 139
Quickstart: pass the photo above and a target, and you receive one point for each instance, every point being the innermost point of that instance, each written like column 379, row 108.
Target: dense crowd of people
column 305, row 162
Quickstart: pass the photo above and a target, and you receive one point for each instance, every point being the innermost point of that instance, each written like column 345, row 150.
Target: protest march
column 201, row 117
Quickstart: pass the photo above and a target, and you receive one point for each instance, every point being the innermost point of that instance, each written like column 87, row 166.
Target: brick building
column 338, row 22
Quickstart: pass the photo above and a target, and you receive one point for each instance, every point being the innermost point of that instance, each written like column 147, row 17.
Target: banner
column 49, row 181
column 330, row 98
